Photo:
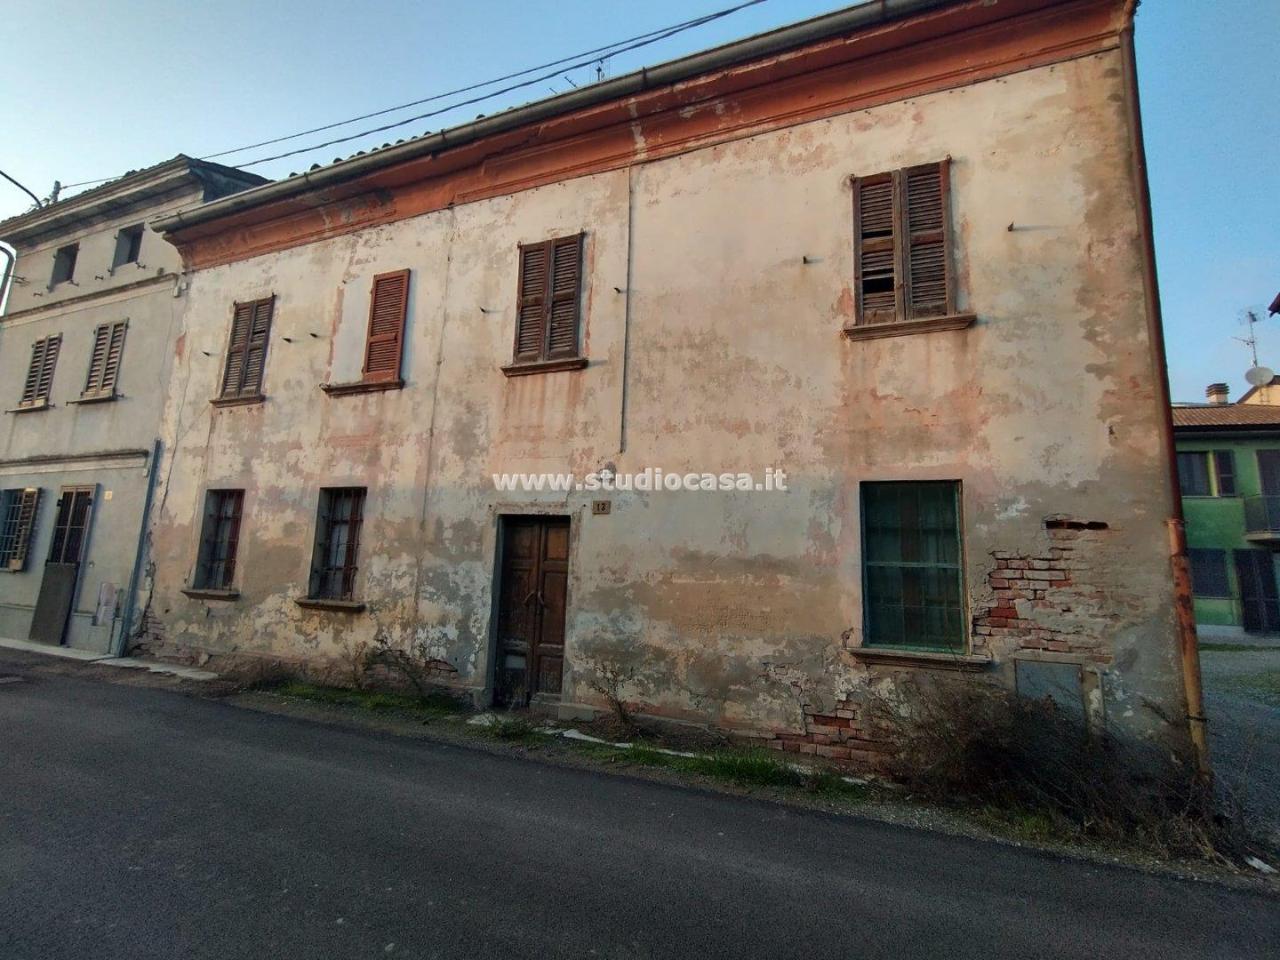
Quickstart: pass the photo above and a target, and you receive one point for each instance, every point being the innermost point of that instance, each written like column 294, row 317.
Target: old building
column 1229, row 467
column 901, row 254
column 86, row 346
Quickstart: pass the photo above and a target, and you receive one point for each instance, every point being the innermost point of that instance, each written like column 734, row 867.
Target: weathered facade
column 903, row 257
column 86, row 347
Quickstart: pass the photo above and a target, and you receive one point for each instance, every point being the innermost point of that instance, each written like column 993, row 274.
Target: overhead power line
column 571, row 62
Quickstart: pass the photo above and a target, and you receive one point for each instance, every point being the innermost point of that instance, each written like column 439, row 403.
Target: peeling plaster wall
column 744, row 609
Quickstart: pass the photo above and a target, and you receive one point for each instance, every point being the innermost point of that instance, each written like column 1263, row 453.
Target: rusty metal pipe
column 1184, row 613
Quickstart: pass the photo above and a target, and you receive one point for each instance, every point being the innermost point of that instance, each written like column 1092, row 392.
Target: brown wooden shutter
column 233, row 373
column 875, row 257
column 33, row 374
column 247, row 348
column 388, row 304
column 27, row 510
column 924, row 238
column 531, row 304
column 565, row 287
column 104, row 363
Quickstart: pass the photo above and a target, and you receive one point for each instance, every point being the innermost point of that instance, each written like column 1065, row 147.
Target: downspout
column 1188, row 645
column 119, row 647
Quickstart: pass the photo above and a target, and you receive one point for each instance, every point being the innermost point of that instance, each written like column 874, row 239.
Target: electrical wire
column 592, row 56
column 38, row 201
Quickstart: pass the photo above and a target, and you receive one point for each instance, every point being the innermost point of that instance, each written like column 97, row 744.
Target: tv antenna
column 1256, row 375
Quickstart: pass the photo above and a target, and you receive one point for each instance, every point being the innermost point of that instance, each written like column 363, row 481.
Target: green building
column 1229, row 469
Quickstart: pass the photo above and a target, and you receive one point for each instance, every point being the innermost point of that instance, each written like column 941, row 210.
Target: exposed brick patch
column 844, row 735
column 1045, row 601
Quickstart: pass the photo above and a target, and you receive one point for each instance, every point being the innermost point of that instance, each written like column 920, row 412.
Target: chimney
column 1217, row 392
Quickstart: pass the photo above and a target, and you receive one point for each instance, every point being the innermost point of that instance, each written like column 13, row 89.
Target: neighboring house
column 900, row 252
column 86, row 346
column 1229, row 467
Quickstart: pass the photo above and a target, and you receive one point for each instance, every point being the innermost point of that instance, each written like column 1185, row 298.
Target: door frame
column 502, row 513
column 92, row 489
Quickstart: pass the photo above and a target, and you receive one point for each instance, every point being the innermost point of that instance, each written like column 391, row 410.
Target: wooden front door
column 534, row 580
column 62, row 570
column 1259, row 597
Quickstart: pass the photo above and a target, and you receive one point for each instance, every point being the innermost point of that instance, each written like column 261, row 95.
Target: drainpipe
column 1188, row 645
column 118, row 648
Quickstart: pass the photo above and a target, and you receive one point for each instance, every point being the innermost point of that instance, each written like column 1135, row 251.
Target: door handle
column 532, row 594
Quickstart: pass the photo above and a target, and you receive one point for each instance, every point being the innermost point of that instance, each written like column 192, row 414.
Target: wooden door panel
column 531, row 613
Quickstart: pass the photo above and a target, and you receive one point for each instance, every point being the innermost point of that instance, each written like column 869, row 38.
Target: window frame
column 228, row 394
column 1218, row 458
column 108, row 339
column 1203, row 553
column 963, row 641
column 393, row 376
column 19, row 513
column 1207, row 457
column 68, row 254
column 37, row 388
column 318, row 586
column 868, row 323
column 128, row 241
column 547, row 357
column 215, row 522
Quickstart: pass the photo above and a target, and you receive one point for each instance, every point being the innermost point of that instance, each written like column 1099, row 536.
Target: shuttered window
column 1224, row 466
column 219, row 539
column 18, row 511
column 247, row 349
column 1193, row 474
column 902, row 245
column 104, row 362
column 388, row 303
column 338, row 523
column 549, row 307
column 44, row 358
column 912, row 584
column 1209, row 573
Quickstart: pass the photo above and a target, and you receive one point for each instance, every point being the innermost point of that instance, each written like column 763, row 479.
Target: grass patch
column 432, row 706
column 740, row 767
column 512, row 729
column 1238, row 648
column 1264, row 686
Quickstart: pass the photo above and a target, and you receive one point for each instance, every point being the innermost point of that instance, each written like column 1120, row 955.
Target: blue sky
column 95, row 89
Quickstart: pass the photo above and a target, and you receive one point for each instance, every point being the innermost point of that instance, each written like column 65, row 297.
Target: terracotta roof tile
column 1226, row 415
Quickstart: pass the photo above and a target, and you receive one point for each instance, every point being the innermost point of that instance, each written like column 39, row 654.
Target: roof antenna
column 1257, row 376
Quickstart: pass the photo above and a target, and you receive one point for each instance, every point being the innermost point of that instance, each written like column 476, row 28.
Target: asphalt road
column 139, row 823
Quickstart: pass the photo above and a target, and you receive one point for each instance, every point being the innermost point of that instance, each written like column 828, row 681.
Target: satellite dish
column 1259, row 376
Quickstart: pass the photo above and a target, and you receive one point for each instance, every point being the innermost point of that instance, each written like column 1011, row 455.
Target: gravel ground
column 1242, row 697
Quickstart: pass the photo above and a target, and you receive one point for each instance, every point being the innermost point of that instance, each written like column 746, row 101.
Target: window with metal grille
column 1209, row 573
column 1193, row 474
column 337, row 546
column 902, row 244
column 1224, row 468
column 64, row 264
column 39, row 382
column 548, row 306
column 18, row 510
column 247, row 349
column 128, row 246
column 388, row 305
column 911, row 560
column 104, row 362
column 219, row 540
column 71, row 525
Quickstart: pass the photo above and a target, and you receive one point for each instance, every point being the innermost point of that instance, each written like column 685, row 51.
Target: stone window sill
column 901, row 328
column 96, row 398
column 360, row 386
column 238, row 401
column 321, row 603
column 211, row 594
column 32, row 407
column 544, row 366
column 926, row 659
